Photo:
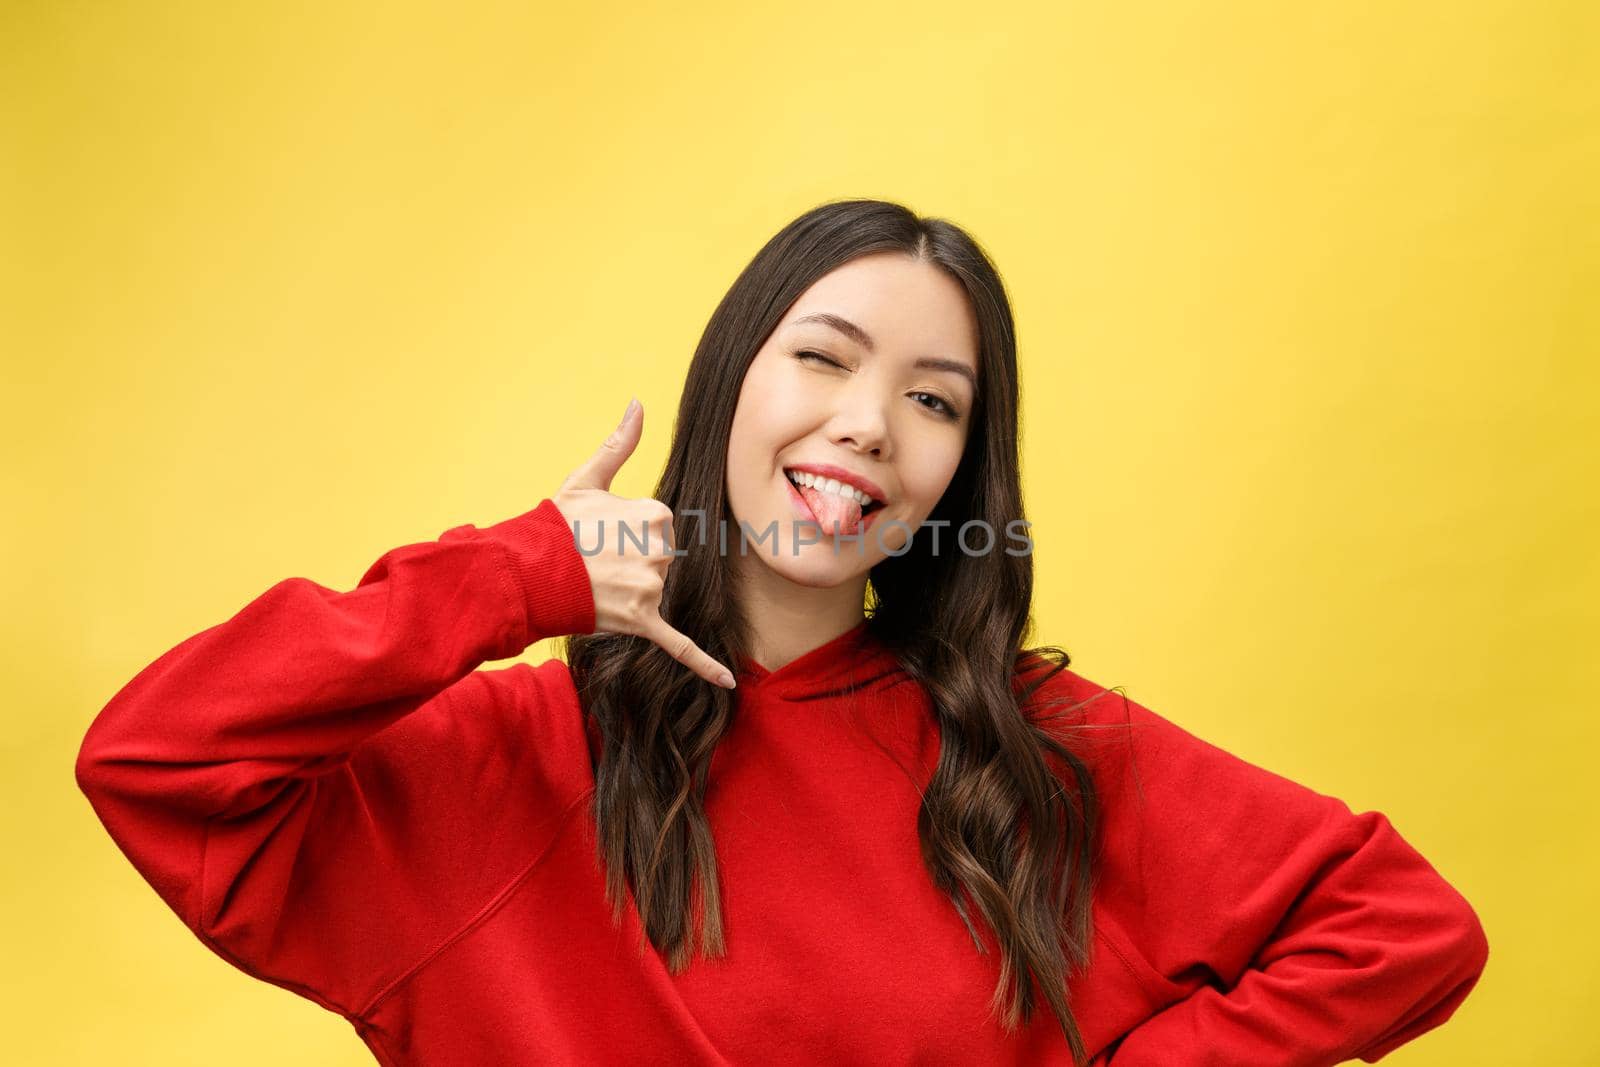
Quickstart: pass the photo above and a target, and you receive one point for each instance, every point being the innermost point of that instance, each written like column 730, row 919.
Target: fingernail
column 628, row 411
column 726, row 680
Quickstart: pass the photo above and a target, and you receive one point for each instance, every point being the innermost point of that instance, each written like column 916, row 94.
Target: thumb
column 600, row 468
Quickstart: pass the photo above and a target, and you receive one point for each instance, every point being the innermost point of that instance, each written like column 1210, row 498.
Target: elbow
column 1450, row 939
column 1457, row 967
column 1444, row 929
column 95, row 763
column 86, row 767
column 1471, row 942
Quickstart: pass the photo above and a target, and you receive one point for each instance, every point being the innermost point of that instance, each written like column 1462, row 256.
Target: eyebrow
column 864, row 339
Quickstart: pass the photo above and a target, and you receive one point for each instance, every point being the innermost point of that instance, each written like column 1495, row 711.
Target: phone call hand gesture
column 628, row 584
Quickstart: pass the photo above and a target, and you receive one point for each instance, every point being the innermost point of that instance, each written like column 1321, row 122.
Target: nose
column 861, row 422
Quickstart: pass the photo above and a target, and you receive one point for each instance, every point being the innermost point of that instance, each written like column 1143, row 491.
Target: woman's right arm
column 311, row 784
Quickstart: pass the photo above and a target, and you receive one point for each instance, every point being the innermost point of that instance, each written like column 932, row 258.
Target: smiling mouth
column 800, row 480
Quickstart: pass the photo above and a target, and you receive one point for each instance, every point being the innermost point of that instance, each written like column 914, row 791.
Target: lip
column 803, row 510
column 839, row 474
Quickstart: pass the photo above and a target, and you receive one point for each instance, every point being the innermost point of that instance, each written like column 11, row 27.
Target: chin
column 816, row 568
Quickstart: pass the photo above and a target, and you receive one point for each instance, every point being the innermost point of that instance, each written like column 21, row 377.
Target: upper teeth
column 829, row 485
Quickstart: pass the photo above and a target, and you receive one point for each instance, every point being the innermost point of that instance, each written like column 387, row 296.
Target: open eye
column 940, row 405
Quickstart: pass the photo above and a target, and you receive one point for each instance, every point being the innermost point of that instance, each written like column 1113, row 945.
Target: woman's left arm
column 1301, row 934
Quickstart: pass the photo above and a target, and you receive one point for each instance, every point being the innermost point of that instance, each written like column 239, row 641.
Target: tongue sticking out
column 836, row 514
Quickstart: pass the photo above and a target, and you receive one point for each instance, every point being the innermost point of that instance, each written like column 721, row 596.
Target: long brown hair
column 998, row 826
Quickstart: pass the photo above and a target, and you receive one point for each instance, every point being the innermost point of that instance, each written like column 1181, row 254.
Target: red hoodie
column 335, row 799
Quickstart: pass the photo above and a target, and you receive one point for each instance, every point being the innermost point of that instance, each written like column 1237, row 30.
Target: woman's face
column 871, row 374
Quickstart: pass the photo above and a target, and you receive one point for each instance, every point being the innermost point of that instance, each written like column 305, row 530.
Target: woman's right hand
column 628, row 584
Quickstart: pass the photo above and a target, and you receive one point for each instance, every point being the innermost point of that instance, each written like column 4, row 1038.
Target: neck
column 786, row 620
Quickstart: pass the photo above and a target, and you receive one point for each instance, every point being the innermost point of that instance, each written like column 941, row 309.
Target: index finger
column 686, row 652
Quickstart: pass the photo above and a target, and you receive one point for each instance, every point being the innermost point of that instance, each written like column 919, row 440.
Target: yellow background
column 1306, row 305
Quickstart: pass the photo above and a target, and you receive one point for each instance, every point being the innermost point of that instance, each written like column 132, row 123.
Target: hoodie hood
column 856, row 659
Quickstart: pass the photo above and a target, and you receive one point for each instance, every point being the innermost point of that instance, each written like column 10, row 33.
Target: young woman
column 899, row 837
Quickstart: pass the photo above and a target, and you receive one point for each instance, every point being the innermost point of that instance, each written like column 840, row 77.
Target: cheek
column 743, row 460
column 754, row 440
column 937, row 450
column 926, row 481
column 756, row 392
column 770, row 415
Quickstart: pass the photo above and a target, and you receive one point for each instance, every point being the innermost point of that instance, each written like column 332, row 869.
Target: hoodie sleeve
column 310, row 784
column 1290, row 931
